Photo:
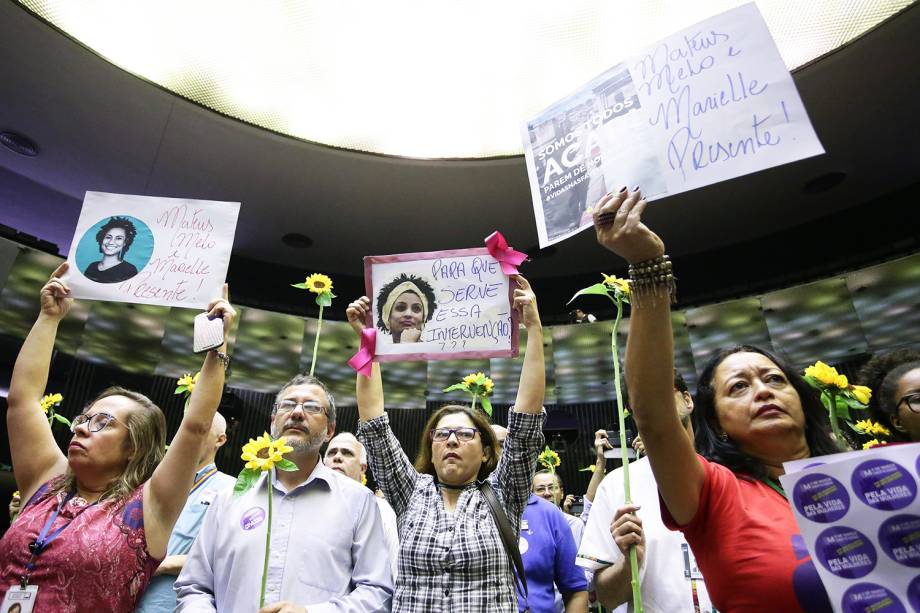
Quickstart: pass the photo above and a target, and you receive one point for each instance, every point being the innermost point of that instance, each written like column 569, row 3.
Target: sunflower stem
column 624, row 456
column 268, row 541
column 474, row 402
column 832, row 415
column 319, row 326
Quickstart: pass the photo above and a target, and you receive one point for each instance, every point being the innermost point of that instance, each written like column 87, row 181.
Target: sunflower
column 616, row 283
column 318, row 283
column 873, row 443
column 861, row 393
column 472, row 378
column 549, row 459
column 263, row 453
column 827, row 375
column 50, row 400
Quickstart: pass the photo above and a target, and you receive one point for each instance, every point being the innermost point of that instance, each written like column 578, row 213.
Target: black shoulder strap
column 506, row 532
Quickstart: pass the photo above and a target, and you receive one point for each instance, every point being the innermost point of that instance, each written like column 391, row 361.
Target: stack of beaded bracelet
column 651, row 276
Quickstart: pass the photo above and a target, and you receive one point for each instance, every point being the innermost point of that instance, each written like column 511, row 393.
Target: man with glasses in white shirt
column 327, row 538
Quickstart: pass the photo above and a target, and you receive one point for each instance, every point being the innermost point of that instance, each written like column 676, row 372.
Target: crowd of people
column 123, row 522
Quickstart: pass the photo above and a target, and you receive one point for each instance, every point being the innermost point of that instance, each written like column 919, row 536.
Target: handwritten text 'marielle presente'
column 468, row 290
column 182, row 265
column 712, row 105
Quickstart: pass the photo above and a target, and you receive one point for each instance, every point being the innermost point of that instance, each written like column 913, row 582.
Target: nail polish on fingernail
column 622, row 189
column 636, row 188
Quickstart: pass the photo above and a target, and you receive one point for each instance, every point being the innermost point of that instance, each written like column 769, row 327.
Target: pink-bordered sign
column 458, row 306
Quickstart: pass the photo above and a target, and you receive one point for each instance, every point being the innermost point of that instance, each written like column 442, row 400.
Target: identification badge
column 20, row 600
column 524, row 525
column 691, row 570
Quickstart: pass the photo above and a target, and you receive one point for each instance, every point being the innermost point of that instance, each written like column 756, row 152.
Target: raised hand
column 357, row 313
column 619, row 227
column 638, row 445
column 601, row 443
column 221, row 308
column 626, row 531
column 55, row 295
column 525, row 303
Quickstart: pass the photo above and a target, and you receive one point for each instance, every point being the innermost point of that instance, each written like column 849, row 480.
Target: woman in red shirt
column 752, row 414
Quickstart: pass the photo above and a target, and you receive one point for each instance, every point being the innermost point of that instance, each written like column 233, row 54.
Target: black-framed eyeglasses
column 94, row 422
column 287, row 406
column 464, row 435
column 912, row 401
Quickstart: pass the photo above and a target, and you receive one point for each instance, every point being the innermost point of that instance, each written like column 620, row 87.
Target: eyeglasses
column 287, row 406
column 464, row 435
column 541, row 489
column 94, row 422
column 912, row 401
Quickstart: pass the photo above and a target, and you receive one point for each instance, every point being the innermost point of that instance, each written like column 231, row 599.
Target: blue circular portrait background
column 138, row 253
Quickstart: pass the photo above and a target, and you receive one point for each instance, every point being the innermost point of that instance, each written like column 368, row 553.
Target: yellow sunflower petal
column 861, row 393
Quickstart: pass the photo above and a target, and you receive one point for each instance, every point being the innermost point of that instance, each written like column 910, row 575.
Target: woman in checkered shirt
column 451, row 557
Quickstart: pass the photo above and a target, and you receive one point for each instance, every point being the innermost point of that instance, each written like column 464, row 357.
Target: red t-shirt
column 748, row 547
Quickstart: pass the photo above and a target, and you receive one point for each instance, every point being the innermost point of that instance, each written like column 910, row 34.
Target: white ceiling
column 100, row 128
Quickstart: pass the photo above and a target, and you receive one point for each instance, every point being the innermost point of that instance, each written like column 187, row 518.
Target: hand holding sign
column 221, row 308
column 619, row 227
column 525, row 303
column 55, row 295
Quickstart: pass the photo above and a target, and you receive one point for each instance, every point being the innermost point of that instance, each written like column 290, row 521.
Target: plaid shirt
column 454, row 562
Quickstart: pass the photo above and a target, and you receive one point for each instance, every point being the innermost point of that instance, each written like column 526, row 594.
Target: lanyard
column 38, row 546
column 202, row 480
column 776, row 488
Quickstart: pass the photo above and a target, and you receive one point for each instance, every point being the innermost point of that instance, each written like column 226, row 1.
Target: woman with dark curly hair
column 894, row 378
column 404, row 306
column 114, row 238
column 752, row 413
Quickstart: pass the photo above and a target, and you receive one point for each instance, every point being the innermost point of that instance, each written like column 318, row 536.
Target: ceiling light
column 432, row 79
column 18, row 143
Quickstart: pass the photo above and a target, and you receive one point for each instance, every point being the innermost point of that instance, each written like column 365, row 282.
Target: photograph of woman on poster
column 114, row 238
column 404, row 306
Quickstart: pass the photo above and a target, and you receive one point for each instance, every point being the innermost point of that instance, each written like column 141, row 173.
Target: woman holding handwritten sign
column 752, row 414
column 96, row 522
column 451, row 556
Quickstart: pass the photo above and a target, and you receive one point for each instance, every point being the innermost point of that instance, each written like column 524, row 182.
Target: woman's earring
column 723, row 437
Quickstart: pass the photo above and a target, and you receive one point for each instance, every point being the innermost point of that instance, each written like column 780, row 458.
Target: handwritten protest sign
column 440, row 305
column 709, row 103
column 148, row 250
column 860, row 519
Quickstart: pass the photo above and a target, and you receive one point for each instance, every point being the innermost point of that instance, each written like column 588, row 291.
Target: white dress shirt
column 328, row 552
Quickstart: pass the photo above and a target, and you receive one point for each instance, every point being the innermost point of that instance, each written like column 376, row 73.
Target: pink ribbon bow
column 506, row 256
column 363, row 361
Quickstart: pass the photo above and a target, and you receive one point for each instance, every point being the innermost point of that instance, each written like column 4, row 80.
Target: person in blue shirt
column 548, row 550
column 160, row 596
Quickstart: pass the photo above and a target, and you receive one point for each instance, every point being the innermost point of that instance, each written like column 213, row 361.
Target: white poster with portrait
column 440, row 305
column 149, row 250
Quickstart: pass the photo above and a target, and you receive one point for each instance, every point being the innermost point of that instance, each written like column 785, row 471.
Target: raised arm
column 532, row 385
column 369, row 390
column 389, row 464
column 167, row 491
column 35, row 454
column 650, row 358
column 600, row 464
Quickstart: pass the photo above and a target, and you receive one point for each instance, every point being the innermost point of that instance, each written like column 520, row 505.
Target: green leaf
column 180, row 390
column 286, row 465
column 299, row 285
column 455, row 387
column 324, row 299
column 245, row 481
column 844, row 412
column 486, row 405
column 62, row 419
column 598, row 289
column 852, row 402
